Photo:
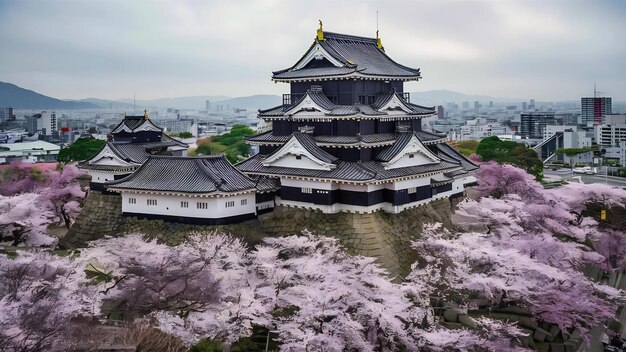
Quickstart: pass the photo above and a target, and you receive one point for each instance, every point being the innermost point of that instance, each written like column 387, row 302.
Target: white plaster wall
column 109, row 161
column 304, row 162
column 309, row 184
column 170, row 205
column 98, row 176
column 417, row 159
column 362, row 187
column 404, row 184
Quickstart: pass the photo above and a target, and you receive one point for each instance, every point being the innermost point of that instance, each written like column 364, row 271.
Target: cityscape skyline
column 510, row 49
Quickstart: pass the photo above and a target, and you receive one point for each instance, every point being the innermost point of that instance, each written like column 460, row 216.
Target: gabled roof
column 406, row 143
column 346, row 56
column 133, row 153
column 207, row 174
column 370, row 171
column 268, row 138
column 391, row 151
column 384, row 98
column 308, row 143
column 132, row 123
column 301, row 144
column 315, row 99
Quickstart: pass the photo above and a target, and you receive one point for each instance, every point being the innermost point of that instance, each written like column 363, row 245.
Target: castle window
column 151, row 202
column 202, row 205
column 411, row 155
column 244, row 202
column 298, row 157
column 132, row 200
column 412, row 189
column 306, row 190
column 184, row 204
column 229, row 204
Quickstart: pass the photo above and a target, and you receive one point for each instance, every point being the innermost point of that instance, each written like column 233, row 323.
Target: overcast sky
column 547, row 50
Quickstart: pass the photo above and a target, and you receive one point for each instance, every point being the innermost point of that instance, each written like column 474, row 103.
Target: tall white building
column 477, row 129
column 49, row 125
column 613, row 131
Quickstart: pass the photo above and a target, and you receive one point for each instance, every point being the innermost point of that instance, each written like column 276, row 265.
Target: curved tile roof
column 206, row 174
column 357, row 54
column 345, row 170
column 309, row 144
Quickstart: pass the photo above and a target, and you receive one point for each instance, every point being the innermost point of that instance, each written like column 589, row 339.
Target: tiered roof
column 130, row 154
column 207, row 174
column 369, row 140
column 134, row 123
column 315, row 99
column 361, row 172
column 341, row 56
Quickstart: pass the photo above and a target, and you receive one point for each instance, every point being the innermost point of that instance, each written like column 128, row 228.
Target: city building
column 612, row 132
column 129, row 145
column 180, row 125
column 477, row 129
column 533, row 124
column 44, row 123
column 29, row 152
column 347, row 137
column 440, row 112
column 594, row 110
column 8, row 115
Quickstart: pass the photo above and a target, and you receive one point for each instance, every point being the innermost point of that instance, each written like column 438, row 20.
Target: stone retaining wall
column 384, row 236
column 100, row 216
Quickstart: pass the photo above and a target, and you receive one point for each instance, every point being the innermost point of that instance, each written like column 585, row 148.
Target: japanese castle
column 129, row 145
column 347, row 137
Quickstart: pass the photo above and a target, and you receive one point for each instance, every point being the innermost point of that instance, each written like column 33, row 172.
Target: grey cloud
column 71, row 49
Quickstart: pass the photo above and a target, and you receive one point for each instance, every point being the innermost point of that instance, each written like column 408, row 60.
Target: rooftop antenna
column 376, row 21
column 379, row 42
column 595, row 91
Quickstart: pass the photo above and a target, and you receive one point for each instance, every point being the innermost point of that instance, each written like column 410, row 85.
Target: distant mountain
column 438, row 97
column 253, row 102
column 191, row 103
column 20, row 98
column 109, row 104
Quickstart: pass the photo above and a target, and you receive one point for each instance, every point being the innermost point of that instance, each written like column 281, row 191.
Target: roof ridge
column 335, row 35
column 218, row 156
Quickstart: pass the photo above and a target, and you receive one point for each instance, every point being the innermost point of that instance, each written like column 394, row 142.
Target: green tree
column 492, row 148
column 81, row 149
column 185, row 135
column 467, row 147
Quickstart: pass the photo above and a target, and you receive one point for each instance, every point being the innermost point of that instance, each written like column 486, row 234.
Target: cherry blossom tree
column 40, row 296
column 526, row 247
column 33, row 198
column 497, row 180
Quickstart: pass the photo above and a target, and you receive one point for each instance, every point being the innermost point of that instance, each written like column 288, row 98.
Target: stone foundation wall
column 384, row 236
column 100, row 216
